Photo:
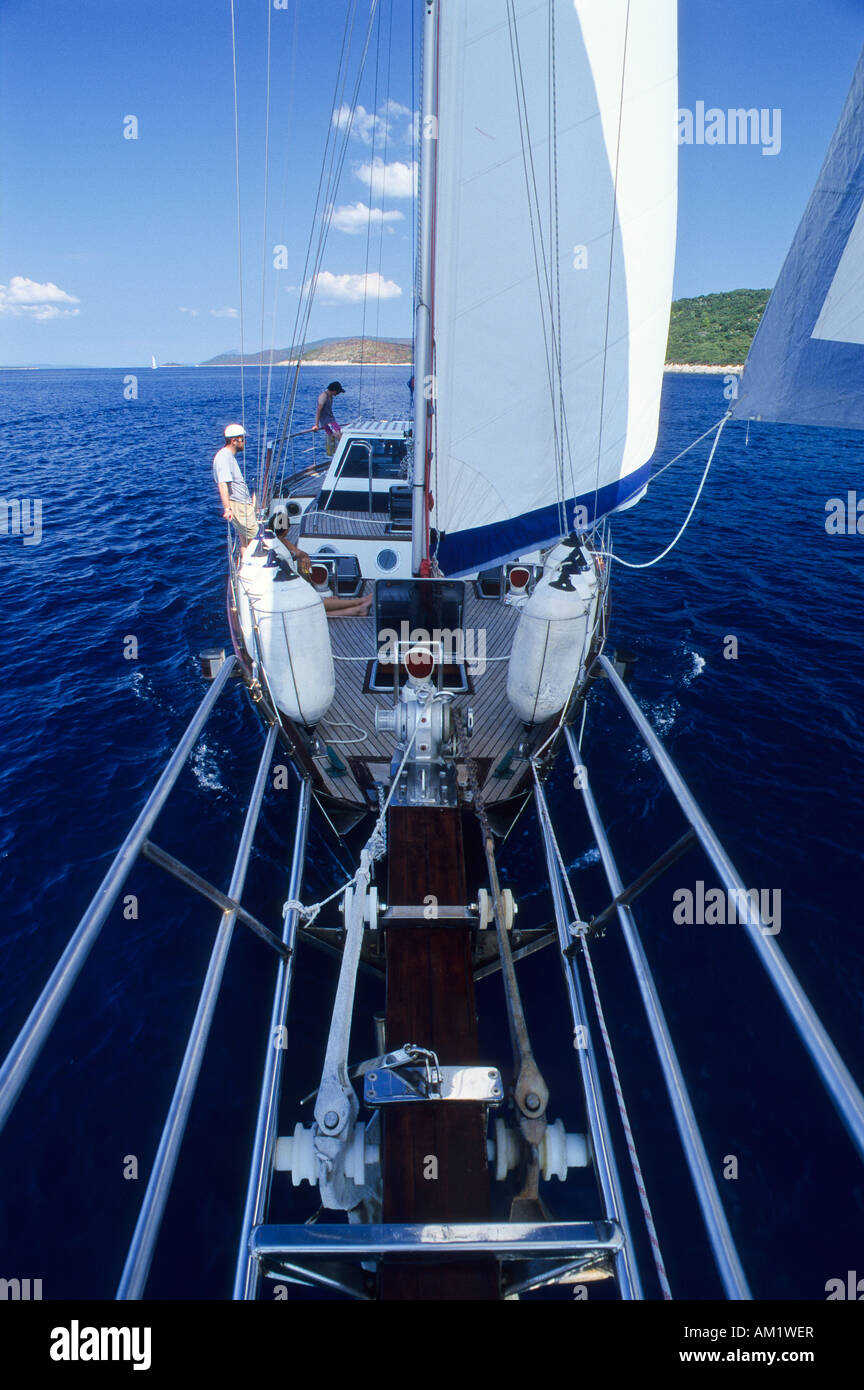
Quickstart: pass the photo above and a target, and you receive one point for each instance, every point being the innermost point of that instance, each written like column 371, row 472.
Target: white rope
column 691, row 445
column 610, row 1055
column 646, row 564
column 375, row 848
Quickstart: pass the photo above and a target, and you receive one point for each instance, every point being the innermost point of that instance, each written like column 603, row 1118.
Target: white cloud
column 184, row 310
column 396, row 109
column 225, row 313
column 351, row 289
column 363, row 124
column 372, row 127
column 23, row 298
column 356, row 217
column 395, row 180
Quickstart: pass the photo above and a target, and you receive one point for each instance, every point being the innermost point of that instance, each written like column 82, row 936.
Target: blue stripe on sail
column 466, row 552
column 790, row 375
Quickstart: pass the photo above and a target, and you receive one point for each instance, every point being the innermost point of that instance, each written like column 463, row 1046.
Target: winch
column 422, row 721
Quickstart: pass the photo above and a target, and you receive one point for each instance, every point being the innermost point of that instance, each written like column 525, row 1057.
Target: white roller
column 559, row 1151
column 296, row 1155
column 486, row 908
column 293, row 639
column 550, row 643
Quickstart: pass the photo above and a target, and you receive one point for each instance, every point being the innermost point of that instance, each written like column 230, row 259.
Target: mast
column 423, row 396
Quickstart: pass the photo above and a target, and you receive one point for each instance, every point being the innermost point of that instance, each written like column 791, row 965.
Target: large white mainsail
column 555, row 221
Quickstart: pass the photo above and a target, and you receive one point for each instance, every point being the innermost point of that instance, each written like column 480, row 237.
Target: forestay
column 554, row 253
column 806, row 363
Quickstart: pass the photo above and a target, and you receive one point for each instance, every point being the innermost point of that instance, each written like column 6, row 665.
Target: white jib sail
column 554, row 253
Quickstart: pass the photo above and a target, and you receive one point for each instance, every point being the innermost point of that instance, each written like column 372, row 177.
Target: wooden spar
column 430, row 1001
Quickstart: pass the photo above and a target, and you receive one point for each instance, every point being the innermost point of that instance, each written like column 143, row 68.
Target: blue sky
column 139, row 237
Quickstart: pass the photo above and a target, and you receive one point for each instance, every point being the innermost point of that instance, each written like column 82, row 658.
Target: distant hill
column 371, row 351
column 711, row 330
column 715, row 329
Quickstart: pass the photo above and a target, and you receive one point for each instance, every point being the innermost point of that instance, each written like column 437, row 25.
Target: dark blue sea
column 133, row 545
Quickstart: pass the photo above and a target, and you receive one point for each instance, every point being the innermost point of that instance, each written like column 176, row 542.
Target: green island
column 712, row 330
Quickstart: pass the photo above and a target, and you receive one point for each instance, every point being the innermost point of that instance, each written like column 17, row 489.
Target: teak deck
column 430, row 1001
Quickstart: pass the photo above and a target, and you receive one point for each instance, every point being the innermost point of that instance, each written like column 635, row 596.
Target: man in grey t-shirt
column 236, row 501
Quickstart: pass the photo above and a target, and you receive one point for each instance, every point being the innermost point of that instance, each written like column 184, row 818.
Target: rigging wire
column 554, row 228
column 554, row 368
column 692, row 445
column 623, row 1113
column 381, row 226
column 263, row 426
column 262, row 434
column 239, row 220
column 291, row 381
column 337, row 161
column 416, row 98
column 369, row 214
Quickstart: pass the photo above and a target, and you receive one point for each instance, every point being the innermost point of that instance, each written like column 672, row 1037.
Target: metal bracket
column 413, row 1073
column 424, row 916
column 645, row 879
column 207, row 890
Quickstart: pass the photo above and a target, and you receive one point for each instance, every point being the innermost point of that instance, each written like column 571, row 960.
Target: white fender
column 550, row 643
column 244, row 615
column 293, row 639
column 565, row 550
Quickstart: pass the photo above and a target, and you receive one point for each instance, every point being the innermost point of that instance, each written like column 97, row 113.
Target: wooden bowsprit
column 434, row 1162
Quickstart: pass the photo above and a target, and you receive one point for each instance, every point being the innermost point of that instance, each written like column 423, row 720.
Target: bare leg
column 348, row 607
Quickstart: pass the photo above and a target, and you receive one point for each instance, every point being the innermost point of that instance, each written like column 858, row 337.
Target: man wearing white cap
column 236, row 501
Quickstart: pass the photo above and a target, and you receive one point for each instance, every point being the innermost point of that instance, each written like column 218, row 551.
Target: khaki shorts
column 245, row 520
